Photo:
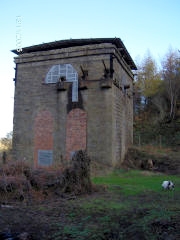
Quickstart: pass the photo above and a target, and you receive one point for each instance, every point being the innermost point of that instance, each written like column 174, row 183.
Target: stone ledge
column 106, row 83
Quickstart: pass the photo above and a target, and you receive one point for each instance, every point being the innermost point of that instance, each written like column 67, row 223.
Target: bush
column 19, row 178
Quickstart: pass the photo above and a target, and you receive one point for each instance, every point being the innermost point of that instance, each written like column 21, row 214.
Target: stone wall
column 105, row 128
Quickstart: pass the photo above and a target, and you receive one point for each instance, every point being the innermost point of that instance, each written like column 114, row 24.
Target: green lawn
column 133, row 206
column 134, row 182
column 126, row 205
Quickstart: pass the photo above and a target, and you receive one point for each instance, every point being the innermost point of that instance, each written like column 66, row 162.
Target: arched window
column 62, row 70
column 67, row 73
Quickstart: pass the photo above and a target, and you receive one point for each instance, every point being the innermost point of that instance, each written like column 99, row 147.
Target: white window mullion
column 67, row 71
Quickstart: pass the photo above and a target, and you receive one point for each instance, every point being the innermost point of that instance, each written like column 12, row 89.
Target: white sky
column 141, row 24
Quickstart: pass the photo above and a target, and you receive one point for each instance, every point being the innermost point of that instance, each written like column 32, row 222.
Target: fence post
column 139, row 138
column 160, row 141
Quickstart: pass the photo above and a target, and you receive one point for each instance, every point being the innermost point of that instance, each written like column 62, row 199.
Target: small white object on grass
column 168, row 185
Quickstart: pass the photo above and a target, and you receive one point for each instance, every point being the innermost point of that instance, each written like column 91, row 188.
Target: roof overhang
column 79, row 42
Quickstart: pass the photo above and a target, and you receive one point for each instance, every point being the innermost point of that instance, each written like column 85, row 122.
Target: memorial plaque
column 45, row 158
column 72, row 154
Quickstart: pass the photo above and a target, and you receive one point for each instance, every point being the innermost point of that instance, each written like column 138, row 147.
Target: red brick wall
column 76, row 135
column 43, row 133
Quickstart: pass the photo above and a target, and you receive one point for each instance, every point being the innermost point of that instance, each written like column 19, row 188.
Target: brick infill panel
column 43, row 133
column 76, row 131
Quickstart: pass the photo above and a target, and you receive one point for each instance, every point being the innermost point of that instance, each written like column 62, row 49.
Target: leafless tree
column 171, row 77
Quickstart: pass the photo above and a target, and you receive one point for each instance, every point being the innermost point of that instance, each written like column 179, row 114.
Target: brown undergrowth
column 151, row 158
column 19, row 182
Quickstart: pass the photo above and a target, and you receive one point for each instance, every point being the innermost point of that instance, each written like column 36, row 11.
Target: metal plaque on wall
column 45, row 158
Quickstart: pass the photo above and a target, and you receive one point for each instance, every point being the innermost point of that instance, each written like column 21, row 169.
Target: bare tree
column 171, row 77
column 148, row 84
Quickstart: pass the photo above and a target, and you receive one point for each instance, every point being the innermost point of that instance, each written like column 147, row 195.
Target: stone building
column 70, row 95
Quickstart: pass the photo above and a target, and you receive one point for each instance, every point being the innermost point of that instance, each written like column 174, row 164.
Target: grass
column 136, row 204
column 135, row 182
column 133, row 206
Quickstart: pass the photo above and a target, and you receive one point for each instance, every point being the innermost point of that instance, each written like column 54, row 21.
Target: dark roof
column 80, row 42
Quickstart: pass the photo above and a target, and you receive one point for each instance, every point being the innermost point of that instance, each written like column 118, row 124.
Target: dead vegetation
column 150, row 158
column 20, row 182
column 44, row 204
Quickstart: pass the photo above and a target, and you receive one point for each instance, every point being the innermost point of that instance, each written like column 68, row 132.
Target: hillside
column 154, row 159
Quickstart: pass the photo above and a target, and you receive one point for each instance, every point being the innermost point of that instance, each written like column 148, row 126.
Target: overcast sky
column 141, row 24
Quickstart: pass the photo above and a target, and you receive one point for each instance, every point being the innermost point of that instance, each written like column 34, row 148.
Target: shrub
column 19, row 178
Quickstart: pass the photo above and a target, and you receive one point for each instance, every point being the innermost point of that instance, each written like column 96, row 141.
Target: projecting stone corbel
column 62, row 85
column 106, row 83
column 83, row 85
